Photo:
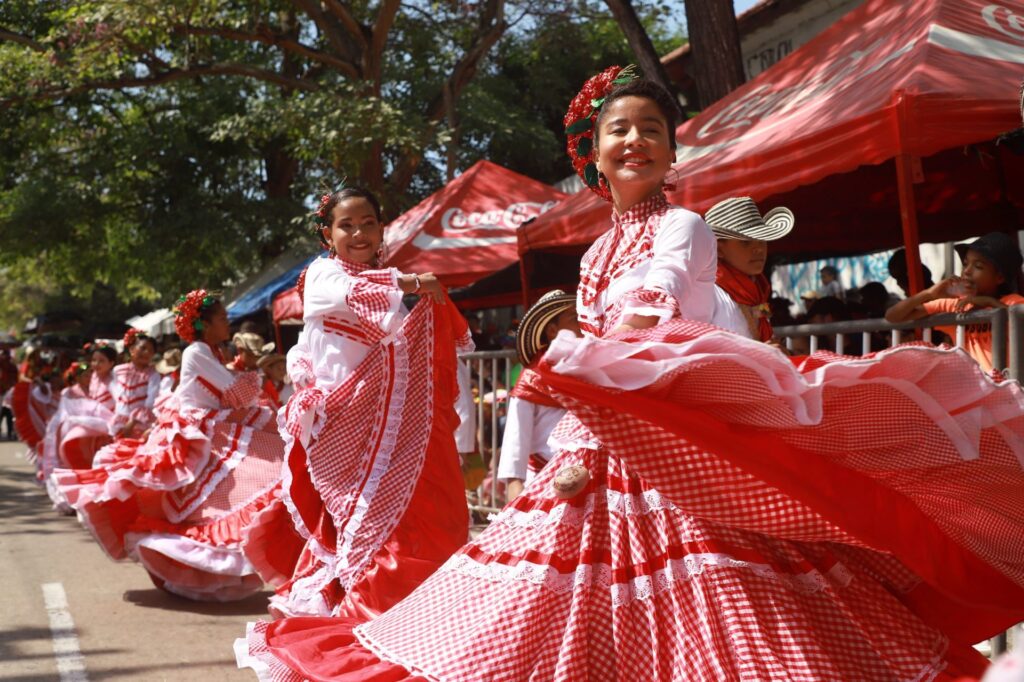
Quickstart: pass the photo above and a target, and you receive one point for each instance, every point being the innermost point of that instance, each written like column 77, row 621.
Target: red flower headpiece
column 187, row 311
column 581, row 118
column 130, row 337
column 76, row 370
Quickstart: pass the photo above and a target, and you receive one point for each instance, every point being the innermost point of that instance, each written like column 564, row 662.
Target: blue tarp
column 260, row 298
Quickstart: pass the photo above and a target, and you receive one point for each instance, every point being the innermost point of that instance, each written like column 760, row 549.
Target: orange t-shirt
column 977, row 337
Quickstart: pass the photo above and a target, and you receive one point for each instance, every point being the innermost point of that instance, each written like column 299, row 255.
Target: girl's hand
column 429, row 286
column 978, row 302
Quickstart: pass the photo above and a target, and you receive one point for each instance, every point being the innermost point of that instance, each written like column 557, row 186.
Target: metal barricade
column 491, row 377
column 1007, row 327
column 1005, row 323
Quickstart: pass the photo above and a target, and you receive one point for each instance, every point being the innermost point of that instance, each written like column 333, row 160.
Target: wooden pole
column 907, row 170
column 524, row 278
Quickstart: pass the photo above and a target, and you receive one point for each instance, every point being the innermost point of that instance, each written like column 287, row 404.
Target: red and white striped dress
column 745, row 518
column 372, row 500
column 135, row 392
column 178, row 501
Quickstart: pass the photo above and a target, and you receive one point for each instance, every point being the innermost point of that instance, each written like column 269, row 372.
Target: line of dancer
column 687, row 501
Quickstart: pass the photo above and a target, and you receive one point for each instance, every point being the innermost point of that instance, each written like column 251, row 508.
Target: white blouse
column 728, row 315
column 527, row 428
column 207, row 384
column 347, row 309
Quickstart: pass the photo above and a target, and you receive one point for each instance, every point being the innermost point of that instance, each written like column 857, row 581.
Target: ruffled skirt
column 179, row 501
column 744, row 519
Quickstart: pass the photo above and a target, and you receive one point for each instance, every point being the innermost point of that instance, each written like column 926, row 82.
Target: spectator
column 830, row 285
column 990, row 279
column 781, row 315
column 898, row 271
column 8, row 377
column 808, row 298
column 831, row 309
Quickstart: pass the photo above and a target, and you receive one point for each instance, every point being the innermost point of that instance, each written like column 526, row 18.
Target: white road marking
column 66, row 651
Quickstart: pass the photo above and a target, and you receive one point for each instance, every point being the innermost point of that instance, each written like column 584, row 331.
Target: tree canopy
column 158, row 145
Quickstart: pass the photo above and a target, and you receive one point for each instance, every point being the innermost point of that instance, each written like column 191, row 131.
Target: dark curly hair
column 641, row 87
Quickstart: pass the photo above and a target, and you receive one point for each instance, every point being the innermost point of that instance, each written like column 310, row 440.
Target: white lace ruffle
column 642, row 587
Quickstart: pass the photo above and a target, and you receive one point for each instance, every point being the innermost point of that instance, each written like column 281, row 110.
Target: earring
column 670, row 185
column 382, row 254
column 332, row 251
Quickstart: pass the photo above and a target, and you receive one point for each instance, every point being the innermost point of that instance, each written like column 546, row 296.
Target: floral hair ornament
column 581, row 119
column 74, row 371
column 320, row 217
column 188, row 311
column 131, row 336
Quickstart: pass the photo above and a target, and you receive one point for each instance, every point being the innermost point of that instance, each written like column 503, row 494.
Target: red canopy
column 287, row 307
column 467, row 230
column 892, row 80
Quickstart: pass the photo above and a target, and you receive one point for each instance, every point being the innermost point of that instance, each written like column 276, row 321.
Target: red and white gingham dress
column 745, row 519
column 372, row 500
column 178, row 501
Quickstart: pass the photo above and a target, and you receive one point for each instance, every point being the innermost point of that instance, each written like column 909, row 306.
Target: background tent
column 467, row 230
column 259, row 298
column 888, row 117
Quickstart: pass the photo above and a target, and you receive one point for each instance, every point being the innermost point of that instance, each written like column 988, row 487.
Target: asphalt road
column 67, row 608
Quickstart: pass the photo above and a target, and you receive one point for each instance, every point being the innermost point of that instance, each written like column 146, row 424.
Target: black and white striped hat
column 738, row 218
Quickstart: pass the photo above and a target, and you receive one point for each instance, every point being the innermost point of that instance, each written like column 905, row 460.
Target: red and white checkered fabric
column 370, row 297
column 628, row 244
column 676, row 562
column 355, row 458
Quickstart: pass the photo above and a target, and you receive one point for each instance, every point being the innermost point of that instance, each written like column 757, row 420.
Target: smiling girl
column 373, row 500
column 135, row 387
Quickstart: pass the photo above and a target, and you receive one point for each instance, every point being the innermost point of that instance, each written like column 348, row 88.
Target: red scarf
column 531, row 389
column 748, row 291
column 272, row 394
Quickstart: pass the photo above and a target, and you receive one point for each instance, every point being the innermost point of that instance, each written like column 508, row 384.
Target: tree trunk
column 640, row 43
column 715, row 42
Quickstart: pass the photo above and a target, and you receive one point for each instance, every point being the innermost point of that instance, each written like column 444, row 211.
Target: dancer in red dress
column 177, row 501
column 713, row 511
column 135, row 387
column 373, row 499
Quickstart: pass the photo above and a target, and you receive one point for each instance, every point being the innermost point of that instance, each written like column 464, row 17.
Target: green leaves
column 584, row 146
column 580, row 126
column 590, row 175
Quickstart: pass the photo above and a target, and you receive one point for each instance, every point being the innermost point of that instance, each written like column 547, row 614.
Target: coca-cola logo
column 1004, row 20
column 509, row 218
column 764, row 100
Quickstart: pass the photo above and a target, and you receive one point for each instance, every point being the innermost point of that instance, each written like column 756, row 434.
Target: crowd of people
column 688, row 500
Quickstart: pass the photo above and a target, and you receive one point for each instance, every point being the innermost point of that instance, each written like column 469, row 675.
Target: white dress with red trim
column 372, row 499
column 744, row 518
column 531, row 418
column 100, row 390
column 178, row 501
column 73, row 436
column 135, row 392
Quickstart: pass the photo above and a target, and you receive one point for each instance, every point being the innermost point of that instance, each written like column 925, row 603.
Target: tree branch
column 225, row 69
column 342, row 13
column 268, row 37
column 327, row 29
column 12, row 37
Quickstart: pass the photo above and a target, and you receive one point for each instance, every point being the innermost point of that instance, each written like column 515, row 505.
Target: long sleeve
column 372, row 296
column 682, row 272
column 517, row 441
column 205, row 383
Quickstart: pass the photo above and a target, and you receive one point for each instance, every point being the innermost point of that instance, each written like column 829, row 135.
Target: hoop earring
column 670, row 185
column 332, row 252
column 382, row 254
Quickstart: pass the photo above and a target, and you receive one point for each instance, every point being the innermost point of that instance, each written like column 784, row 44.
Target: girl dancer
column 713, row 511
column 372, row 500
column 177, row 502
column 135, row 387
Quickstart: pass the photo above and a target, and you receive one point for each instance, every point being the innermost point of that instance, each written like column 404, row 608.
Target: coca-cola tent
column 887, row 118
column 467, row 230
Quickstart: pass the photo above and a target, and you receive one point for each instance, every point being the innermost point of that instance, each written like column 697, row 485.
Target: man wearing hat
column 532, row 414
column 742, row 290
column 169, row 367
column 990, row 278
column 277, row 387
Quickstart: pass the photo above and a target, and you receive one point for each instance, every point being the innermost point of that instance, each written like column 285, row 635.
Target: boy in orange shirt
column 990, row 279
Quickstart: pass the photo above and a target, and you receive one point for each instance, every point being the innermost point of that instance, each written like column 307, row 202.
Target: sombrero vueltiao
column 739, row 218
column 530, row 336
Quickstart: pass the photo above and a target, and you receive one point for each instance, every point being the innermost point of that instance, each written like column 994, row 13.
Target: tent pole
column 277, row 337
column 907, row 166
column 524, row 279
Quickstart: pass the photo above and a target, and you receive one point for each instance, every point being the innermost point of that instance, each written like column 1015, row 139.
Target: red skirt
column 179, row 501
column 372, row 500
column 745, row 519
